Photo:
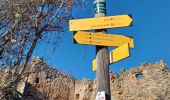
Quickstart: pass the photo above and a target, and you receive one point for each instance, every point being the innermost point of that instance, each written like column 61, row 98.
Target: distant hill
column 41, row 82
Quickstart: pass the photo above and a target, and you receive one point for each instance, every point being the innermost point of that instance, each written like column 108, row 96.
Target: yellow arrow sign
column 119, row 53
column 102, row 39
column 100, row 23
column 94, row 65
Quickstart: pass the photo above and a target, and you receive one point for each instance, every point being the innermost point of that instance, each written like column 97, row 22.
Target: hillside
column 41, row 82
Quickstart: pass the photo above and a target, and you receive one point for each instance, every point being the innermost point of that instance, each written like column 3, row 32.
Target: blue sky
column 151, row 32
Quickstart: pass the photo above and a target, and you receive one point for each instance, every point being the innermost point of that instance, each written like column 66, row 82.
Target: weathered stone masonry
column 146, row 82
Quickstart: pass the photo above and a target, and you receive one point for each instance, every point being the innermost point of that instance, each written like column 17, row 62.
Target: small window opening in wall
column 139, row 75
column 77, row 96
column 37, row 80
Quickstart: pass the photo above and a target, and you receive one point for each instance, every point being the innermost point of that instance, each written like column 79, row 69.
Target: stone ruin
column 41, row 82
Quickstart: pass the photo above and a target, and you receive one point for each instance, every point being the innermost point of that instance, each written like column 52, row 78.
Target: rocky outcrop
column 40, row 82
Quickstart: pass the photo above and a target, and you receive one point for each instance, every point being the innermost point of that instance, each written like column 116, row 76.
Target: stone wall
column 84, row 90
column 146, row 82
column 41, row 82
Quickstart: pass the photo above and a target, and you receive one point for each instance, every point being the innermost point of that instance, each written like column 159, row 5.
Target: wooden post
column 102, row 54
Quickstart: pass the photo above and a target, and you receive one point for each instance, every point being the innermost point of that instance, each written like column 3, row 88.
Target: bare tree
column 25, row 22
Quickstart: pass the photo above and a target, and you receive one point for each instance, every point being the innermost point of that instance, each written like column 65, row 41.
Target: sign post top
column 100, row 7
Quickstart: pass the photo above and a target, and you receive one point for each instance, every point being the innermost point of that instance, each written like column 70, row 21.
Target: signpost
column 102, row 39
column 100, row 22
column 116, row 55
column 119, row 53
column 102, row 54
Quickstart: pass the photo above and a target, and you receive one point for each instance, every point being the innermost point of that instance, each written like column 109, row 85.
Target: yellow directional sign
column 102, row 39
column 94, row 65
column 100, row 23
column 119, row 53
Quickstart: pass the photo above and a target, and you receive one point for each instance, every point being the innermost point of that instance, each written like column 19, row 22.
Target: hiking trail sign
column 115, row 55
column 101, row 39
column 100, row 23
column 119, row 53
